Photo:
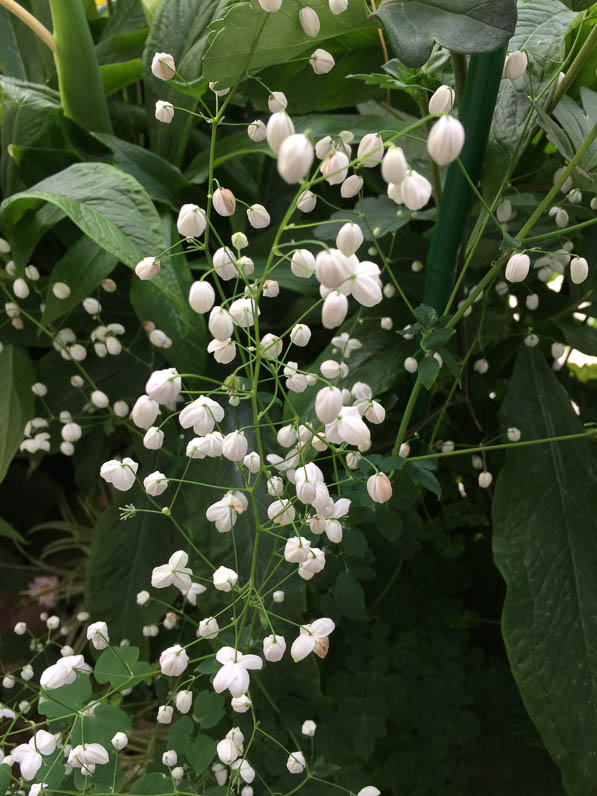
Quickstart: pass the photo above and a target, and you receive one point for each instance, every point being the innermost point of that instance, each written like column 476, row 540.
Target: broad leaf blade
column 546, row 548
column 16, row 401
column 467, row 26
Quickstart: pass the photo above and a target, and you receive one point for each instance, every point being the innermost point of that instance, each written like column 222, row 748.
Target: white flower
column 274, row 648
column 201, row 297
column 224, row 351
column 279, row 128
column 155, row 483
column 220, row 773
column 394, row 166
column 153, row 439
column 379, row 488
column 220, row 324
column 369, row 790
column 485, row 479
column 532, row 301
column 334, row 310
column 234, row 674
column 445, row 140
column 365, row 283
column 297, row 550
column 314, row 563
column 328, row 403
column 517, row 267
column 348, row 239
column 144, row 412
column 309, row 728
column 202, row 414
column 62, row 673
column 225, row 264
column 174, row 573
column 225, row 511
column 183, row 701
column 321, row 61
column 208, row 627
column 224, row 202
column 162, row 66
column 579, row 270
column 348, row 427
column 235, row 446
column 164, row 386
column 302, row 263
column 194, row 590
column 97, row 633
column 281, row 512
column 119, row 741
column 306, row 202
column 173, row 661
column 243, row 310
column 300, row 335
column 295, row 157
column 296, row 763
column 338, row 6
column 227, row 751
column 191, row 221
column 169, row 758
column 415, row 190
column 165, row 713
column 270, row 6
column 121, row 474
column 256, row 131
column 309, row 21
column 351, row 186
column 164, row 111
column 515, row 65
column 247, row 773
column 335, row 168
column 312, row 638
column 277, row 101
column 441, row 102
column 224, row 579
column 514, row 434
column 370, row 151
column 258, row 216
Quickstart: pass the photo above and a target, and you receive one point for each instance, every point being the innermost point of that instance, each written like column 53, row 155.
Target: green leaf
column 426, row 316
column 122, row 555
column 428, row 370
column 5, row 775
column 580, row 336
column 110, row 207
column 546, row 549
column 380, row 212
column 178, row 734
column 248, row 39
column 8, row 532
column 350, row 596
column 465, row 26
column 120, row 667
column 17, row 402
column 437, row 339
column 101, row 725
column 116, row 76
column 200, row 752
column 208, row 709
column 82, row 268
column 66, row 699
column 154, row 784
column 420, row 473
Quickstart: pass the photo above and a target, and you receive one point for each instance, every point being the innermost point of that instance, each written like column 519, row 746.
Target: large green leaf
column 180, row 28
column 540, row 32
column 466, row 26
column 546, row 548
column 16, row 401
column 249, row 39
column 110, row 207
column 123, row 553
column 22, row 54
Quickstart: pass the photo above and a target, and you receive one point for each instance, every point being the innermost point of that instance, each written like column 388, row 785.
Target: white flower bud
column 147, row 268
column 220, row 324
column 225, row 579
column 296, row 763
column 309, row 21
column 183, row 701
column 411, row 365
column 162, row 66
column 351, row 186
column 517, row 267
column 328, row 403
column 335, row 168
column 4, row 246
column 514, row 434
column 243, row 311
column 415, row 190
column 71, row 432
column 224, row 202
column 441, row 101
column 300, row 335
column 532, row 301
column 557, row 350
column 309, row 728
column 579, row 270
column 169, row 758
column 208, row 628
column 370, row 151
column 119, row 741
column 258, row 216
column 348, row 239
column 173, row 662
column 142, row 597
column 295, row 157
column 239, row 240
column 404, row 451
column 332, row 268
column 165, row 714
column 274, row 648
column 334, row 310
column 277, row 102
column 279, row 127
column 99, row 399
column 155, row 483
column 256, row 131
column 201, row 297
column 20, row 288
column 560, row 216
column 485, row 479
column 481, row 366
column 61, row 290
column 386, row 323
column 504, row 211
column 379, row 488
column 394, row 166
column 278, row 596
column 531, row 340
column 302, row 263
column 271, row 6
column 164, row 111
column 306, row 202
column 234, row 447
column 252, row 462
column 39, row 389
column 191, row 221
column 338, row 6
column 219, row 92
column 144, row 412
column 321, row 61
column 32, row 273
column 515, row 65
column 445, row 140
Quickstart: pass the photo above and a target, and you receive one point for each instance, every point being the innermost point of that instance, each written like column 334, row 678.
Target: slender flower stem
column 406, row 416
column 32, row 22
